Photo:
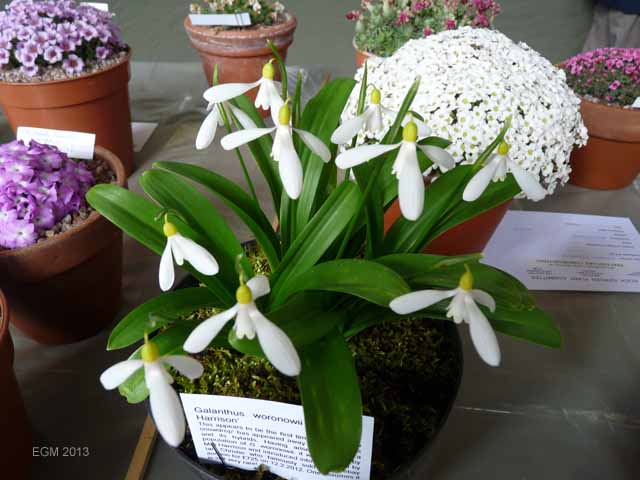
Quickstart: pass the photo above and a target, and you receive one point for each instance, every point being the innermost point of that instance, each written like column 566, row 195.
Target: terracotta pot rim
column 266, row 32
column 121, row 179
column 4, row 319
column 366, row 53
column 125, row 60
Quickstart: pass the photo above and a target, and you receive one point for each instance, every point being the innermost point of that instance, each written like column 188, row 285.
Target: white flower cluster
column 472, row 80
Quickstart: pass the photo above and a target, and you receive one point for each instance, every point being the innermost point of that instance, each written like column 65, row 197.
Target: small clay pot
column 239, row 53
column 17, row 444
column 68, row 287
column 611, row 158
column 466, row 238
column 362, row 56
column 96, row 103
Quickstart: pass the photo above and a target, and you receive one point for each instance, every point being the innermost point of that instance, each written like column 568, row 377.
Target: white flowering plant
column 333, row 273
column 472, row 79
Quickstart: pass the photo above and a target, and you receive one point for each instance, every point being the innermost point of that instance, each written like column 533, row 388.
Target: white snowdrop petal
column 207, row 131
column 349, row 129
column 480, row 181
column 415, row 301
column 439, row 156
column 197, row 256
column 482, row 335
column 245, row 120
column 178, row 254
column 374, row 119
column 227, row 91
column 187, row 366
column 268, row 96
column 259, row 286
column 244, row 325
column 203, row 334
column 316, row 145
column 483, row 298
column 289, row 166
column 114, row 376
column 242, row 137
column 527, row 182
column 166, row 275
column 276, row 345
column 411, row 190
column 166, row 408
column 356, row 156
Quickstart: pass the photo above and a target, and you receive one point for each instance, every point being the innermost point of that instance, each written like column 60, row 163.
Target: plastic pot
column 239, row 53
column 611, row 158
column 68, row 287
column 17, row 444
column 96, row 103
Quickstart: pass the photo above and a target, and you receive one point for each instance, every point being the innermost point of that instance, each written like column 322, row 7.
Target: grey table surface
column 556, row 414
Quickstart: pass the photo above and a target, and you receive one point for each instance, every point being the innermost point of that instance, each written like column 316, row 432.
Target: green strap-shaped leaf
column 131, row 329
column 332, row 403
column 317, row 237
column 239, row 201
column 321, row 117
column 170, row 191
column 261, row 151
column 368, row 280
column 136, row 215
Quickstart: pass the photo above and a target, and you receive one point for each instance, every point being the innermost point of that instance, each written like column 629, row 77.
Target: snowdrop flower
column 372, row 121
column 182, row 248
column 283, row 150
column 406, row 167
column 214, row 119
column 249, row 322
column 268, row 96
column 496, row 169
column 165, row 405
column 463, row 307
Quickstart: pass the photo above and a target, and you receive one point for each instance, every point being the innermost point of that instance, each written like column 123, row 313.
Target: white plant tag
column 249, row 433
column 100, row 6
column 221, row 20
column 78, row 145
column 636, row 103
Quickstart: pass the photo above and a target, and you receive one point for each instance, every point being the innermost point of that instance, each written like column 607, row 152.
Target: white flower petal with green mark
column 349, row 129
column 242, row 137
column 183, row 248
column 480, row 181
column 276, row 345
column 410, row 184
column 245, row 120
column 415, row 301
column 187, row 366
column 439, row 156
column 527, row 181
column 119, row 373
column 166, row 408
column 482, row 334
column 356, row 156
column 268, row 97
column 203, row 334
column 316, row 145
column 228, row 91
column 483, row 298
column 289, row 165
column 259, row 286
column 166, row 274
column 207, row 131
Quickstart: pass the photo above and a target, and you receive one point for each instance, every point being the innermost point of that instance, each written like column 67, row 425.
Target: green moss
column 408, row 373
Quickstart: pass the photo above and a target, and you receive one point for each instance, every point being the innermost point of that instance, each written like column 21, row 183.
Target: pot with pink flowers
column 60, row 261
column 608, row 80
column 64, row 66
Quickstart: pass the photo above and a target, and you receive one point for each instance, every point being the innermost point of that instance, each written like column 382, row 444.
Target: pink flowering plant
column 382, row 27
column 39, row 186
column 262, row 12
column 610, row 75
column 39, row 34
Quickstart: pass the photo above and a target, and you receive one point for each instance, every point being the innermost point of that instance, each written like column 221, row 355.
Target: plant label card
column 100, row 6
column 78, row 145
column 221, row 20
column 141, row 132
column 636, row 103
column 564, row 251
column 249, row 433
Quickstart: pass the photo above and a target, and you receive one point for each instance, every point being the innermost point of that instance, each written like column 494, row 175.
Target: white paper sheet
column 141, row 132
column 75, row 144
column 562, row 251
column 249, row 433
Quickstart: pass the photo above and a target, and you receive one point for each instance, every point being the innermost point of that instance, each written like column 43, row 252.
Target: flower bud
column 466, row 280
column 244, row 295
column 376, row 96
column 169, row 229
column 410, row 132
column 269, row 71
column 503, row 148
column 150, row 352
column 284, row 115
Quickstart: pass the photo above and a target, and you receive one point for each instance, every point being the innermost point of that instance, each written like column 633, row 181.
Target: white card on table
column 564, row 251
column 636, row 103
column 100, row 6
column 141, row 132
column 78, row 145
column 221, row 20
column 249, row 433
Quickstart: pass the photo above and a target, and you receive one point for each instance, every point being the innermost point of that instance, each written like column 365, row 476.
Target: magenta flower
column 427, row 31
column 403, row 18
column 450, row 24
column 353, row 15
column 615, row 85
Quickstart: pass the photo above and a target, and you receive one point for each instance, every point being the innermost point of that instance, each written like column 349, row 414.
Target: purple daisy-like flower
column 5, row 56
column 53, row 54
column 30, row 70
column 73, row 64
column 18, row 233
column 103, row 53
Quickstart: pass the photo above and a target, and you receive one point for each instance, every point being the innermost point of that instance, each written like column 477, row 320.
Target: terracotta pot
column 471, row 236
column 96, row 103
column 241, row 53
column 611, row 158
column 17, row 443
column 362, row 56
column 67, row 288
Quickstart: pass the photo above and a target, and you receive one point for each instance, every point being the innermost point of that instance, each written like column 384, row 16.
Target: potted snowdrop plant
column 328, row 277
